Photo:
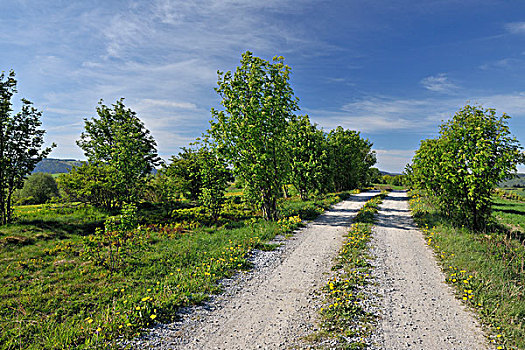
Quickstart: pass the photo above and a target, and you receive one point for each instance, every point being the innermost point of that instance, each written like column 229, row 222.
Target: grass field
column 486, row 269
column 54, row 297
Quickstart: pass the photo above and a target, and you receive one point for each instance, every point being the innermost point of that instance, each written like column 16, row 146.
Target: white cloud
column 377, row 114
column 393, row 160
column 515, row 27
column 439, row 83
column 168, row 103
column 505, row 63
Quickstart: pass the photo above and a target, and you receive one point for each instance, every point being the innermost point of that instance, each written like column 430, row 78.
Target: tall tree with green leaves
column 21, row 141
column 352, row 156
column 309, row 157
column 250, row 133
column 119, row 139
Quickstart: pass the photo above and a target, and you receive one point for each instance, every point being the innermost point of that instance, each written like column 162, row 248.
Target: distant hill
column 387, row 173
column 59, row 166
column 56, row 166
column 518, row 181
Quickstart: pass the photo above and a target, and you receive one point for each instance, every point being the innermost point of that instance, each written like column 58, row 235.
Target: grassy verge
column 485, row 269
column 52, row 297
column 345, row 323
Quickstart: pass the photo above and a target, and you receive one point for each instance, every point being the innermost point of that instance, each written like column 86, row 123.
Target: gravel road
column 418, row 310
column 273, row 306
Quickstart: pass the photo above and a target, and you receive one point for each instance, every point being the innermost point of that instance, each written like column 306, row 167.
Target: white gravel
column 273, row 306
column 418, row 309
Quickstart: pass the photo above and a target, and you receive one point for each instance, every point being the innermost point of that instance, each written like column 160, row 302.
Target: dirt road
column 419, row 311
column 277, row 305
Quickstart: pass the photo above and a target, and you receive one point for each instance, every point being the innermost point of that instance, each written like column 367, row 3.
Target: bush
column 38, row 189
column 460, row 169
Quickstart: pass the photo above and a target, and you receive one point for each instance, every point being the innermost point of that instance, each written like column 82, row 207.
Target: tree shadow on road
column 341, row 216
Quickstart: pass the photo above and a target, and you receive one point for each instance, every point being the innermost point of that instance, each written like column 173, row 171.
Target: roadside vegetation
column 475, row 229
column 345, row 323
column 124, row 240
column 486, row 269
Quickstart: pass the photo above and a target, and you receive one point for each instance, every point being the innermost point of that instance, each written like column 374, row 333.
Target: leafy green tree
column 309, row 157
column 21, row 143
column 475, row 151
column 251, row 131
column 184, row 172
column 92, row 183
column 39, row 188
column 214, row 177
column 375, row 176
column 352, row 156
column 120, row 140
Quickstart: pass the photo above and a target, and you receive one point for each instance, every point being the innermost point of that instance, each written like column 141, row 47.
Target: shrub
column 38, row 189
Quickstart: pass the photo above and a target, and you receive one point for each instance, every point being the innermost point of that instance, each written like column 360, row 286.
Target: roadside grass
column 387, row 187
column 485, row 269
column 344, row 319
column 510, row 213
column 53, row 297
column 513, row 193
column 520, row 191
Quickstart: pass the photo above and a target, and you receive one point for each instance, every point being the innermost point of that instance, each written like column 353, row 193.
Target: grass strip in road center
column 345, row 322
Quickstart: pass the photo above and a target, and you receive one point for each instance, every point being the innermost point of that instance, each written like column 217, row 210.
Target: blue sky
column 391, row 69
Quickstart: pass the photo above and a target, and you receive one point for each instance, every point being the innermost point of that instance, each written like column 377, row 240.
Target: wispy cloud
column 515, row 27
column 375, row 114
column 393, row 160
column 439, row 83
column 505, row 63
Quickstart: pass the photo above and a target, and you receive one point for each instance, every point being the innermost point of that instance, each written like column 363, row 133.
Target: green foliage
column 487, row 271
column 352, row 159
column 21, row 143
column 184, row 173
column 38, row 189
column 344, row 319
column 475, row 151
column 375, row 175
column 92, row 183
column 394, row 180
column 214, row 176
column 118, row 243
column 250, row 133
column 120, row 141
column 309, row 157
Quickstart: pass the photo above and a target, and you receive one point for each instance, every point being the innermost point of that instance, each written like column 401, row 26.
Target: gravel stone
column 274, row 305
column 418, row 310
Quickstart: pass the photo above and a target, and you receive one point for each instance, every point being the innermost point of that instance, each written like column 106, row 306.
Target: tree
column 309, row 158
column 21, row 143
column 214, row 177
column 120, row 140
column 93, row 183
column 352, row 156
column 250, row 133
column 39, row 188
column 475, row 151
column 184, row 172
